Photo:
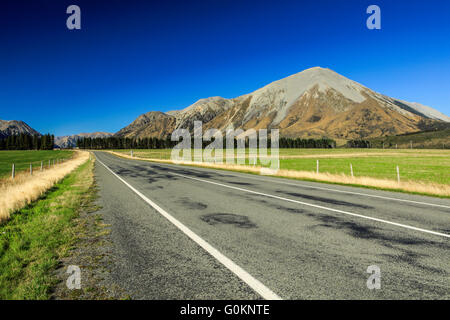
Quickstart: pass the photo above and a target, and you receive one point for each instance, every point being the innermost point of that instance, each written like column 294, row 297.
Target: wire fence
column 35, row 166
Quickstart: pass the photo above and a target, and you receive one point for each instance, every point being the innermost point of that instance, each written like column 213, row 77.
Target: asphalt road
column 191, row 233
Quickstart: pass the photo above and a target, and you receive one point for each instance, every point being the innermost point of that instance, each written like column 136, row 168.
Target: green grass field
column 412, row 168
column 36, row 237
column 414, row 165
column 23, row 158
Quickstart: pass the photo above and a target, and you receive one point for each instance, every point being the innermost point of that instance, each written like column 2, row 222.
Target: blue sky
column 131, row 57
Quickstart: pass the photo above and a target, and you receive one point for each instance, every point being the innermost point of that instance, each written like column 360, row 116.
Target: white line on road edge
column 255, row 284
column 278, row 180
column 351, row 192
column 317, row 206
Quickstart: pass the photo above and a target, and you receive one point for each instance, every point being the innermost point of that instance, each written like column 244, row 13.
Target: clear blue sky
column 131, row 57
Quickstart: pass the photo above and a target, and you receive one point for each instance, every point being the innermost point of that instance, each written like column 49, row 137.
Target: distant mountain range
column 14, row 127
column 315, row 103
column 71, row 141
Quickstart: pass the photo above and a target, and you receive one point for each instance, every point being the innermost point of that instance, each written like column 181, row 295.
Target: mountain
column 71, row 141
column 427, row 111
column 314, row 103
column 150, row 124
column 14, row 127
column 204, row 110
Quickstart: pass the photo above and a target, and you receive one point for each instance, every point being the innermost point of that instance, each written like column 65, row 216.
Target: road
column 181, row 232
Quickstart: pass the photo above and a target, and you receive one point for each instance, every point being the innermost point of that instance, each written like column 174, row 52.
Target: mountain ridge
column 316, row 102
column 71, row 141
column 15, row 127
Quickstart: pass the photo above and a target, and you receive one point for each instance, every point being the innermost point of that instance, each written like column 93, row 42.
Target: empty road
column 191, row 233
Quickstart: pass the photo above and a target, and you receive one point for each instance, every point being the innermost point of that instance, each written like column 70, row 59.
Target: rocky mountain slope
column 71, row 141
column 14, row 127
column 315, row 103
column 150, row 124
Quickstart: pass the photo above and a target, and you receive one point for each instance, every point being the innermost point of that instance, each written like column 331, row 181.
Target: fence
column 397, row 171
column 34, row 166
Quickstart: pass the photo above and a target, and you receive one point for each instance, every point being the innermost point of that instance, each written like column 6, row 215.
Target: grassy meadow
column 23, row 158
column 25, row 188
column 428, row 166
column 412, row 167
column 37, row 236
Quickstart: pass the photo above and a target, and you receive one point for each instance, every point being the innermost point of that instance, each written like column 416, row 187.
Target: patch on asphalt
column 280, row 207
column 228, row 218
column 193, row 205
column 240, row 183
column 326, row 200
column 362, row 230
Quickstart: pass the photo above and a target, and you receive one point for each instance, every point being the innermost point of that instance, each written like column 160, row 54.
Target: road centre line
column 352, row 192
column 317, row 206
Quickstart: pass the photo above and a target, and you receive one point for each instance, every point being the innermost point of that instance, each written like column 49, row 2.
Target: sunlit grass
column 23, row 158
column 36, row 237
column 25, row 188
column 414, row 165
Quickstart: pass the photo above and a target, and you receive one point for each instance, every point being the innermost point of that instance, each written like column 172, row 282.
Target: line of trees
column 358, row 144
column 323, row 143
column 155, row 143
column 125, row 143
column 27, row 142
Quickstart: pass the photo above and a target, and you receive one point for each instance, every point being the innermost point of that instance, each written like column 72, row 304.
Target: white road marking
column 277, row 180
column 351, row 192
column 317, row 206
column 253, row 283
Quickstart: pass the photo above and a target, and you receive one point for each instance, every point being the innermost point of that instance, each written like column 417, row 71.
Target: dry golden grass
column 344, row 155
column 23, row 189
column 358, row 155
column 406, row 186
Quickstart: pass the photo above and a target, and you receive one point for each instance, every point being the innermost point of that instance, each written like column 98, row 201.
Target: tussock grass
column 24, row 189
column 419, row 187
column 352, row 155
column 34, row 239
column 427, row 188
column 23, row 158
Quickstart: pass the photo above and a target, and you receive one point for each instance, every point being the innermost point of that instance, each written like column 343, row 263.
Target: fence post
column 42, row 165
column 317, row 166
column 31, row 169
column 13, row 174
column 49, row 164
column 411, row 143
column 131, row 152
column 351, row 169
column 398, row 175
